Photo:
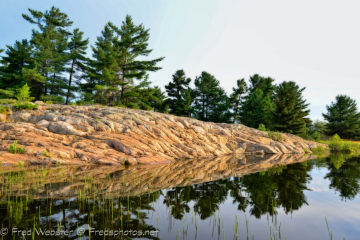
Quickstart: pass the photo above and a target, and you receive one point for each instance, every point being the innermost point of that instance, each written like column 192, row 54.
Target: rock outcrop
column 114, row 136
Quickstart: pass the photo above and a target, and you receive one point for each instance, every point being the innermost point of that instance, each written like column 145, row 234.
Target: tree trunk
column 70, row 78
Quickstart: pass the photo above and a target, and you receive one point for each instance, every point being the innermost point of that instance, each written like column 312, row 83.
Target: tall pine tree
column 211, row 102
column 237, row 98
column 50, row 45
column 77, row 47
column 343, row 118
column 132, row 42
column 291, row 110
column 175, row 90
column 258, row 104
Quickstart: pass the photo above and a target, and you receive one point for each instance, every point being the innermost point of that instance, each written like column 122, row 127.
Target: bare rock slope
column 109, row 135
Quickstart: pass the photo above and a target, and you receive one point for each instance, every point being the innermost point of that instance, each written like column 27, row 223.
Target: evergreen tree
column 77, row 47
column 132, row 42
column 343, row 118
column 256, row 110
column 211, row 101
column 17, row 57
column 116, row 65
column 50, row 45
column 290, row 113
column 237, row 97
column 258, row 104
column 23, row 94
column 102, row 80
column 175, row 90
column 158, row 103
column 188, row 99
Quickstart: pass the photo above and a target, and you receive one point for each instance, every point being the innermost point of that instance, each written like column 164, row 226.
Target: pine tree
column 50, row 45
column 132, row 42
column 77, row 47
column 158, row 104
column 188, row 99
column 102, row 70
column 291, row 110
column 343, row 118
column 23, row 94
column 258, row 104
column 18, row 57
column 175, row 91
column 237, row 97
column 256, row 109
column 211, row 101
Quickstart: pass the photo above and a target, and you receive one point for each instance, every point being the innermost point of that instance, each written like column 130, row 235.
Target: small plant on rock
column 46, row 153
column 336, row 143
column 14, row 148
column 262, row 127
column 5, row 110
column 276, row 136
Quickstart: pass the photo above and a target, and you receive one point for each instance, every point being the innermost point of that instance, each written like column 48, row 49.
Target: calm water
column 227, row 198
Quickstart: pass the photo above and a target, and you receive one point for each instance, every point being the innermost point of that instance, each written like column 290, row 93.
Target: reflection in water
column 176, row 198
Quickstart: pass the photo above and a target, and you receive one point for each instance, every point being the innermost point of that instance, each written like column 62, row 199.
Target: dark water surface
column 226, row 198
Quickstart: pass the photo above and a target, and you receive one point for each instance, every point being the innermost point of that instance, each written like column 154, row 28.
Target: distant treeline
column 54, row 65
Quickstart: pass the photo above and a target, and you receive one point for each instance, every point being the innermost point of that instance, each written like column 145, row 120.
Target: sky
column 314, row 43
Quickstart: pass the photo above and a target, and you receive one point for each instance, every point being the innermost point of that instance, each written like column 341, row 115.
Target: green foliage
column 77, row 51
column 256, row 109
column 336, row 143
column 276, row 136
column 262, row 127
column 46, row 153
column 5, row 109
column 8, row 101
column 319, row 150
column 176, row 91
column 53, row 99
column 210, row 100
column 236, row 98
column 118, row 62
column 290, row 112
column 23, row 94
column 14, row 148
column 25, row 105
column 343, row 118
column 6, row 93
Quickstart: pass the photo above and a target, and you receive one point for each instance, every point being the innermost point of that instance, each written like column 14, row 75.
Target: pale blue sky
column 315, row 43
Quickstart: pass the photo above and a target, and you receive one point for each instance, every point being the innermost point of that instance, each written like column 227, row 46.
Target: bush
column 24, row 94
column 336, row 143
column 318, row 150
column 262, row 127
column 14, row 148
column 349, row 147
column 50, row 99
column 5, row 110
column 25, row 105
column 276, row 136
column 8, row 101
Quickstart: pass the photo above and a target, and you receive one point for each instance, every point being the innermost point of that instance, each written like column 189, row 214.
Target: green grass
column 14, row 148
column 25, row 105
column 319, row 150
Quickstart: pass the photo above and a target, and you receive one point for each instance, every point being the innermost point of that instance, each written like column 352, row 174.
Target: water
column 226, row 198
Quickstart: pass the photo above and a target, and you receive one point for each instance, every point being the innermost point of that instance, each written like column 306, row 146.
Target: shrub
column 349, row 147
column 46, row 153
column 5, row 109
column 25, row 105
column 14, row 148
column 19, row 164
column 24, row 94
column 276, row 136
column 318, row 149
column 262, row 127
column 8, row 101
column 336, row 143
column 51, row 99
